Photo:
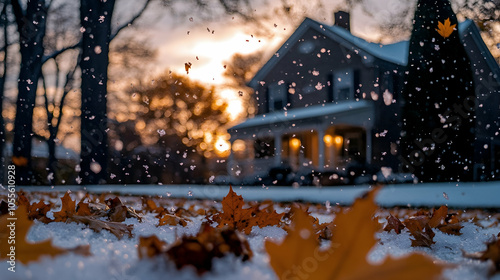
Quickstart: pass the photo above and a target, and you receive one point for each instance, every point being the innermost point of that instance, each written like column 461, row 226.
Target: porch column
column 230, row 160
column 368, row 145
column 277, row 149
column 321, row 150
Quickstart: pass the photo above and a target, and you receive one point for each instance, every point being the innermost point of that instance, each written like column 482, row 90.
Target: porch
column 319, row 138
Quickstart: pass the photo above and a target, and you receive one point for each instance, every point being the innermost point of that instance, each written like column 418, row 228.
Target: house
column 328, row 100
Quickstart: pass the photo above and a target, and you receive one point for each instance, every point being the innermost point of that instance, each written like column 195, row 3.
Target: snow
column 118, row 259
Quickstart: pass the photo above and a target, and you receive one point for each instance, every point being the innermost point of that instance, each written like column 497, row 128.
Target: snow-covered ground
column 118, row 259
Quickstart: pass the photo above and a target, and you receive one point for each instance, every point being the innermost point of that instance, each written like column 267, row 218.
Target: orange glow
column 338, row 140
column 222, row 147
column 294, row 143
column 328, row 139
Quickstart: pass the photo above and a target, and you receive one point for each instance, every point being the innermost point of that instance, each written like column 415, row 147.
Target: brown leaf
column 423, row 237
column 395, row 224
column 438, row 217
column 200, row 250
column 150, row 247
column 67, row 209
column 233, row 215
column 118, row 229
column 346, row 258
column 26, row 251
column 173, row 220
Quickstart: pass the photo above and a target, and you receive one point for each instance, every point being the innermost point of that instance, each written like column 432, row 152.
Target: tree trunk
column 95, row 17
column 3, row 136
column 31, row 27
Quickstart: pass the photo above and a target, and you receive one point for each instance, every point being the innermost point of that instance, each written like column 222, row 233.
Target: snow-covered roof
column 292, row 115
column 396, row 53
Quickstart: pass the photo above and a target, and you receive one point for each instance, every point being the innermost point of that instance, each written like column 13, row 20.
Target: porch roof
column 349, row 112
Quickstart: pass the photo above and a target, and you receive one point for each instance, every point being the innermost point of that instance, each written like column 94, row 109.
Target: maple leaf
column 346, row 258
column 118, row 229
column 67, row 209
column 445, row 29
column 236, row 217
column 26, row 251
column 233, row 214
column 395, row 224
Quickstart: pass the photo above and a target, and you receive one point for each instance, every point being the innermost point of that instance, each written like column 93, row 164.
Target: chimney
column 342, row 19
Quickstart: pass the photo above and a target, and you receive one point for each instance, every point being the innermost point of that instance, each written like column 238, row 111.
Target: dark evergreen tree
column 439, row 109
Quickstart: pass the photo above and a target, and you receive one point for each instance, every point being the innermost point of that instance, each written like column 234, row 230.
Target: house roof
column 396, row 53
column 330, row 111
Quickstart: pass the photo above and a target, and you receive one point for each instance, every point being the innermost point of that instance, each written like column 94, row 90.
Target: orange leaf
column 67, row 209
column 299, row 256
column 438, row 216
column 26, row 251
column 234, row 215
column 118, row 229
column 445, row 29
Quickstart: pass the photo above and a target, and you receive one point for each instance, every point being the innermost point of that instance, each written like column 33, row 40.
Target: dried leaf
column 173, row 220
column 150, row 247
column 233, row 215
column 118, row 229
column 445, row 29
column 67, row 209
column 209, row 243
column 395, row 224
column 26, row 251
column 346, row 258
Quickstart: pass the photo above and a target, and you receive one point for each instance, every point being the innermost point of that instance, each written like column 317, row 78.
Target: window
column 277, row 97
column 343, row 85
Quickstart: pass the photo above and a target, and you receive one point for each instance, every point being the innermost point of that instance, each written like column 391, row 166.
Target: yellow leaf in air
column 445, row 29
column 300, row 257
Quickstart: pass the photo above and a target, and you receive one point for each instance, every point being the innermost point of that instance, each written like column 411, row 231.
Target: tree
column 438, row 114
column 4, row 23
column 31, row 25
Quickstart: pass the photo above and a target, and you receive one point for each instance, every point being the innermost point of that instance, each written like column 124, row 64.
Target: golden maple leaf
column 445, row 29
column 235, row 216
column 26, row 251
column 300, row 256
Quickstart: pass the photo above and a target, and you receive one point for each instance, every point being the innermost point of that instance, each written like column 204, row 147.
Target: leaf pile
column 421, row 225
column 197, row 251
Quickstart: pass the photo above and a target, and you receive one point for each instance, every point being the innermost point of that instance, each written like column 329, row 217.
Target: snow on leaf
column 26, row 251
column 445, row 29
column 67, row 209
